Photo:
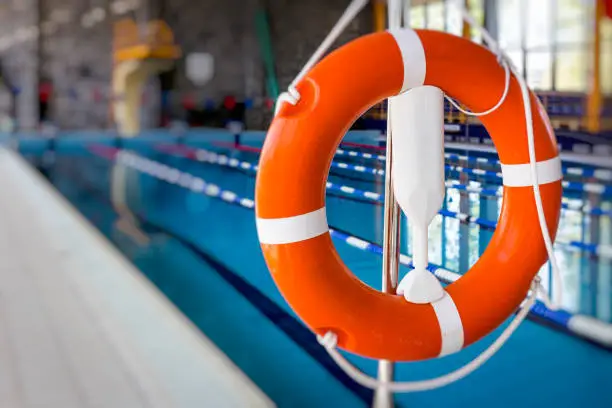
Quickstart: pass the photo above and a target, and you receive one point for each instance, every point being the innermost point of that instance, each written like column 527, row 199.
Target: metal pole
column 383, row 398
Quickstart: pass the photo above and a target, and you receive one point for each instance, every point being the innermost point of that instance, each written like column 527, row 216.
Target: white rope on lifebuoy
column 292, row 96
column 329, row 342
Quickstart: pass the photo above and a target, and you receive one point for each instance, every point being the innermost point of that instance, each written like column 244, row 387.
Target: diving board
column 81, row 327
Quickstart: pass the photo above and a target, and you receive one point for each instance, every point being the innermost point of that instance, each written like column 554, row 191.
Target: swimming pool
column 204, row 255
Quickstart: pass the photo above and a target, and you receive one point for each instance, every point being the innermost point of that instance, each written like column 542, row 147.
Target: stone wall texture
column 56, row 40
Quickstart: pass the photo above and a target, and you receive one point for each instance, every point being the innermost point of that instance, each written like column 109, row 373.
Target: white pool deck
column 81, row 327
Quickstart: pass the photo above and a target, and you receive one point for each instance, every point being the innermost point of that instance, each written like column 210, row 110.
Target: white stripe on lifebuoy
column 450, row 323
column 519, row 175
column 292, row 229
column 413, row 56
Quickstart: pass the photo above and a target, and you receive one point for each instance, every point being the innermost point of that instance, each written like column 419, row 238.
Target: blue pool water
column 204, row 255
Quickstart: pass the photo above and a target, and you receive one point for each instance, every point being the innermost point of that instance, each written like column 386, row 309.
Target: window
column 541, row 34
column 517, row 59
column 539, row 18
column 606, row 67
column 572, row 18
column 509, row 23
column 606, row 56
column 417, row 17
column 435, row 16
column 539, row 70
column 606, row 29
column 454, row 20
column 571, row 70
column 476, row 8
column 446, row 15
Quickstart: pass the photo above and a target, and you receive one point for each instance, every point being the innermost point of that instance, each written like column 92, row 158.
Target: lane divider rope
column 597, row 173
column 600, row 174
column 575, row 186
column 213, row 157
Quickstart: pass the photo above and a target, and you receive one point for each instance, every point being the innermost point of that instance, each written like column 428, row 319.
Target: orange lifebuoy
column 290, row 197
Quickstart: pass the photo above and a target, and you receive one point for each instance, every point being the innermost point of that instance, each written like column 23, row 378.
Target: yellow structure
column 595, row 98
column 466, row 31
column 380, row 15
column 139, row 53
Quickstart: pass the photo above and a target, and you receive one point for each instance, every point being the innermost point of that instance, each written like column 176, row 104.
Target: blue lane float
column 600, row 174
column 594, row 188
column 574, row 186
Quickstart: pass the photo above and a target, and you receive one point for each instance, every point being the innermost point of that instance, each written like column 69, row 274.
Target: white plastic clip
column 292, row 96
column 329, row 340
column 418, row 179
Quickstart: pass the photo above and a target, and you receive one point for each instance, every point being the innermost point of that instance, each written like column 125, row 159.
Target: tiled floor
column 80, row 327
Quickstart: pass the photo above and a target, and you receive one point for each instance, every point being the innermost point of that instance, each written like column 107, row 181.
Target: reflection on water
column 587, row 278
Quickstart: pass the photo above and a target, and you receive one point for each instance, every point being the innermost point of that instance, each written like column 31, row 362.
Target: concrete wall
column 20, row 62
column 226, row 30
column 298, row 27
column 78, row 59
